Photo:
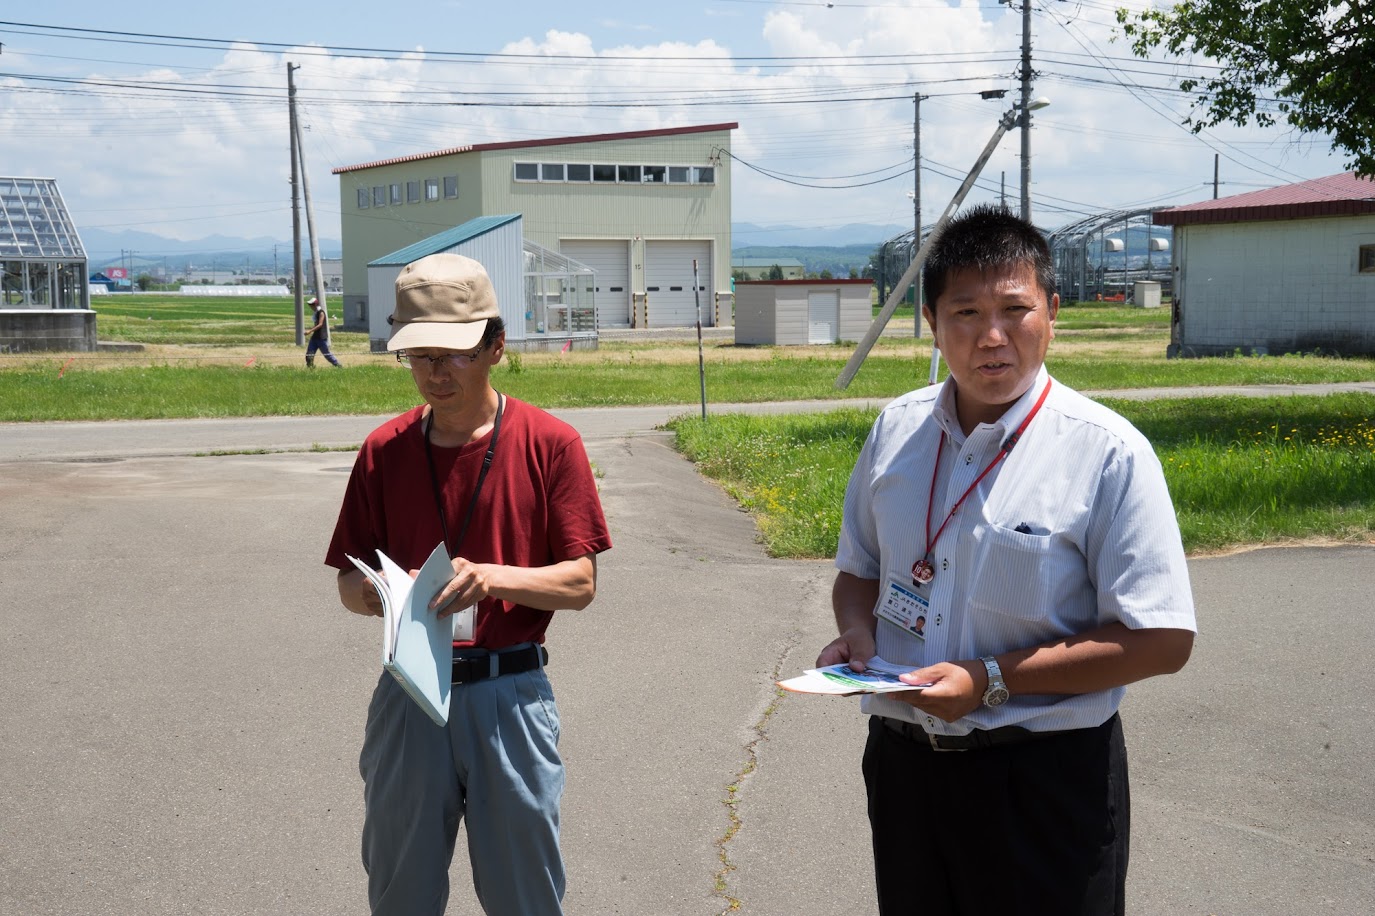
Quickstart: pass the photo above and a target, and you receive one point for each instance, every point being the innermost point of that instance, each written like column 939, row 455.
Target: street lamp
column 1005, row 123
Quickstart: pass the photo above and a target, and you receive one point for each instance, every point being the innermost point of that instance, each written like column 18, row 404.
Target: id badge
column 463, row 623
column 902, row 606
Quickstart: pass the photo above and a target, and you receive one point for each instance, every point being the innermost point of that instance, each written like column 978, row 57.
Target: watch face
column 996, row 696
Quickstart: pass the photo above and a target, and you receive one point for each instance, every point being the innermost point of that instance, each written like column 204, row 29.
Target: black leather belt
column 479, row 664
column 975, row 740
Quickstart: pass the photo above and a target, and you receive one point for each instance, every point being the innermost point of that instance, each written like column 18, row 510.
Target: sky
column 172, row 118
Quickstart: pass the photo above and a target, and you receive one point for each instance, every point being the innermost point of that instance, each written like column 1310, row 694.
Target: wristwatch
column 996, row 694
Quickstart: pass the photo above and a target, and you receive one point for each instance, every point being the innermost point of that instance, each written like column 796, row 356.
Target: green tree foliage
column 775, row 273
column 1306, row 62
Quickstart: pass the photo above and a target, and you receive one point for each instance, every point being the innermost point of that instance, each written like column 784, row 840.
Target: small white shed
column 493, row 241
column 799, row 312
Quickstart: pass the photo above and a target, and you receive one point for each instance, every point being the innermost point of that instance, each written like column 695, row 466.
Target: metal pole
column 295, row 208
column 1026, row 110
column 701, row 358
column 856, row 360
column 1215, row 155
column 916, row 207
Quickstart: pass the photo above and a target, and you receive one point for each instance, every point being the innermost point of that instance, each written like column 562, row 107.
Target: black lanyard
column 482, row 475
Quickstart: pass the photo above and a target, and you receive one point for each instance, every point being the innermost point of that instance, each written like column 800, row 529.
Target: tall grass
column 1240, row 470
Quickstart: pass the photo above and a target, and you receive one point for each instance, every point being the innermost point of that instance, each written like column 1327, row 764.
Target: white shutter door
column 668, row 283
column 823, row 315
column 611, row 260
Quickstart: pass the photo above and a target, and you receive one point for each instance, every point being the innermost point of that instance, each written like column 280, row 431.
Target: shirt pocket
column 1014, row 576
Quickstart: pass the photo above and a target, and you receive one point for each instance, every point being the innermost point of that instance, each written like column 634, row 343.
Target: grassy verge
column 68, row 388
column 1241, row 470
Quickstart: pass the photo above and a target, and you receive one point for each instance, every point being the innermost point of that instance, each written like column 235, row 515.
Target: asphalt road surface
column 183, row 699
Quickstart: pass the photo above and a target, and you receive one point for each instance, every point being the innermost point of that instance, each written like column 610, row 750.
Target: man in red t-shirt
column 524, row 533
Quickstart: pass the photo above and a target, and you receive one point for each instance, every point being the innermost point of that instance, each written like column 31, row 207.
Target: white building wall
column 791, row 314
column 1276, row 286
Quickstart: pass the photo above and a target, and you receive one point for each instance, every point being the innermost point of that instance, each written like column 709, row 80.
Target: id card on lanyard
column 905, row 607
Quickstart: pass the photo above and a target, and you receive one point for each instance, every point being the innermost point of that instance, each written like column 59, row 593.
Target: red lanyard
column 923, row 571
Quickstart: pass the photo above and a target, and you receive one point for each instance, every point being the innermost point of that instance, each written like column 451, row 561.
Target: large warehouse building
column 636, row 207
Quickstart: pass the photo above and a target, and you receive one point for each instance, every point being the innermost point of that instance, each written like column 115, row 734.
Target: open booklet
column 841, row 680
column 417, row 646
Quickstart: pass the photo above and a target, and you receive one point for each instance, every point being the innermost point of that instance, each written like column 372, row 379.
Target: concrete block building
column 636, row 207
column 1287, row 269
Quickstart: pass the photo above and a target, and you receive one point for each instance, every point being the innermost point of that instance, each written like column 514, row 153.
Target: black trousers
column 1038, row 827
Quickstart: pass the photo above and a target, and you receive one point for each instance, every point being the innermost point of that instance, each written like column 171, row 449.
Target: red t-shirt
column 538, row 506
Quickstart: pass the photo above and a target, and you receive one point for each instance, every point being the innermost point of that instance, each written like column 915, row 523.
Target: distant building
column 1288, row 269
column 759, row 268
column 637, row 207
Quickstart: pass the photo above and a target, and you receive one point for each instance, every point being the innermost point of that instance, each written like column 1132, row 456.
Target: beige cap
column 443, row 300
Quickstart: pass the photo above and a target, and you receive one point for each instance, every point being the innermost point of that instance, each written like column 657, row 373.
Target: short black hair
column 983, row 238
column 495, row 327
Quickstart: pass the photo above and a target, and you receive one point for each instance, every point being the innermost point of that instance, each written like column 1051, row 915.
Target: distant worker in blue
column 319, row 336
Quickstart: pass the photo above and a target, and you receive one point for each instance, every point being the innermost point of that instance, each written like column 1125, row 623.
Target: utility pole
column 1215, row 155
column 295, row 206
column 916, row 207
column 1026, row 110
column 317, row 273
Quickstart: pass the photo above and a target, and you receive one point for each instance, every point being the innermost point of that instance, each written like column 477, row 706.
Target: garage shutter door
column 611, row 260
column 668, row 283
column 823, row 316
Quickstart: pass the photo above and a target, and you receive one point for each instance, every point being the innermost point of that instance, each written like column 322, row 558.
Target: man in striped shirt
column 1032, row 530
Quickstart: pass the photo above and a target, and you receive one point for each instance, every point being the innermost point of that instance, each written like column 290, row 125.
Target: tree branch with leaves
column 1308, row 63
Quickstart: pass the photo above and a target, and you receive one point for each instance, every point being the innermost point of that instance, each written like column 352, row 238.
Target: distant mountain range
column 103, row 245
column 752, row 235
column 104, row 248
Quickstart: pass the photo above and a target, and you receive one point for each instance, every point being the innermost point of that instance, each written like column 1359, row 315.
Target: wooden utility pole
column 295, row 206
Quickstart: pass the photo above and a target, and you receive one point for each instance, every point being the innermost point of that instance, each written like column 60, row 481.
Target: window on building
column 527, row 171
column 396, row 193
column 604, row 173
column 704, row 174
column 432, row 189
column 379, row 196
column 1367, row 259
column 578, row 171
column 628, row 174
column 412, row 192
column 551, row 171
column 450, row 187
column 679, row 174
column 364, row 198
column 655, row 174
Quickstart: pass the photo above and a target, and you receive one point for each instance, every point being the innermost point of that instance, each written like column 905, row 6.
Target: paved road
column 184, row 700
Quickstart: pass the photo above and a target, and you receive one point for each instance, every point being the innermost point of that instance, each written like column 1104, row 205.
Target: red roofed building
column 1284, row 270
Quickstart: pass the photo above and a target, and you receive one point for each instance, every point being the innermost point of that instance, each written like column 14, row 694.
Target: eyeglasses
column 449, row 360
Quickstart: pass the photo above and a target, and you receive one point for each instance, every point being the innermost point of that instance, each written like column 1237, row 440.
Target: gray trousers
column 497, row 764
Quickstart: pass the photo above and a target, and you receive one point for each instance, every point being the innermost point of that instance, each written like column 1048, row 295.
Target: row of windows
column 582, row 172
column 382, row 195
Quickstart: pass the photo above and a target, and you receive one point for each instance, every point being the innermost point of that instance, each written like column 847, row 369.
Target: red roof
column 551, row 141
column 1335, row 195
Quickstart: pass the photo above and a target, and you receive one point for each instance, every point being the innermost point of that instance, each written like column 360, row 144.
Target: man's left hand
column 956, row 690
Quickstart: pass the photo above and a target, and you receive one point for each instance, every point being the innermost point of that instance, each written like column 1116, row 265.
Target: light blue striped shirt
column 1103, row 545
